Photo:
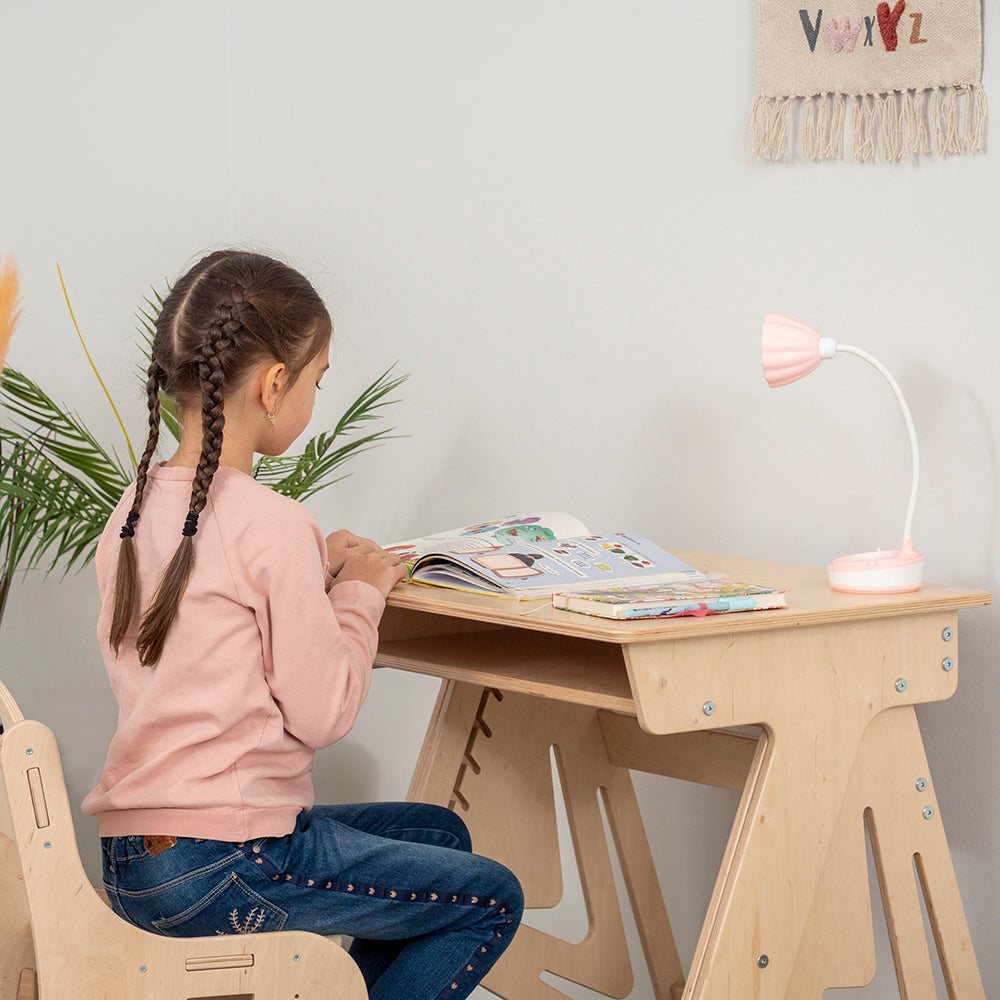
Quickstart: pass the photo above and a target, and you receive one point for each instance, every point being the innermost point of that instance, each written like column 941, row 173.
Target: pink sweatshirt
column 264, row 664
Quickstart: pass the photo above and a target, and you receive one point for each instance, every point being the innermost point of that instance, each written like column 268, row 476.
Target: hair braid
column 213, row 418
column 125, row 575
column 230, row 312
column 157, row 620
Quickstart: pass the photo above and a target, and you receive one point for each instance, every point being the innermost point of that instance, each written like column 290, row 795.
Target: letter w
column 812, row 33
column 843, row 35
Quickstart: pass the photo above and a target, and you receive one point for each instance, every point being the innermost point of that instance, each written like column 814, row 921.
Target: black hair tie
column 190, row 524
column 128, row 530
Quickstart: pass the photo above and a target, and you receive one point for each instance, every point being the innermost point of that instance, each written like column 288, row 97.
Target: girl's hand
column 381, row 569
column 341, row 544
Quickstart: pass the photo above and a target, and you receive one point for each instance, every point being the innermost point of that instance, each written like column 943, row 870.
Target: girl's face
column 295, row 405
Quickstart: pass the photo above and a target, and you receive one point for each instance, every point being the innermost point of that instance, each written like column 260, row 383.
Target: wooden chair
column 59, row 939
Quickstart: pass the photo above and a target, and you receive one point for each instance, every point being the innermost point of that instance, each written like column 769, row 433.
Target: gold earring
column 273, row 417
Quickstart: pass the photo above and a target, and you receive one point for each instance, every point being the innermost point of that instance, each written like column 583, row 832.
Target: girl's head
column 234, row 311
column 233, row 317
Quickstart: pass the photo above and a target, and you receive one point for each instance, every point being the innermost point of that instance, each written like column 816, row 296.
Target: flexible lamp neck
column 907, row 419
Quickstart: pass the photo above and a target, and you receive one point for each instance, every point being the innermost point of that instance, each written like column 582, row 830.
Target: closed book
column 711, row 596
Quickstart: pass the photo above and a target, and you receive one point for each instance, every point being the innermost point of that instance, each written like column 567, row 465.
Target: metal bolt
column 921, row 784
column 901, row 685
column 763, row 961
column 928, row 812
column 708, row 708
column 948, row 634
column 947, row 663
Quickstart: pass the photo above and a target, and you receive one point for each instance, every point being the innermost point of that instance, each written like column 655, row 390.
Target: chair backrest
column 9, row 712
column 16, row 951
column 10, row 715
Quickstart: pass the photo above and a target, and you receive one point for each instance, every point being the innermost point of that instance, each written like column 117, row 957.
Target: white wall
column 546, row 213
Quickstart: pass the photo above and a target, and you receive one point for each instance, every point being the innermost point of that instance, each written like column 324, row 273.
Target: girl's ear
column 272, row 383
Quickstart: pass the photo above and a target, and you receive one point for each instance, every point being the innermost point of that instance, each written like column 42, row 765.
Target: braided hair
column 230, row 312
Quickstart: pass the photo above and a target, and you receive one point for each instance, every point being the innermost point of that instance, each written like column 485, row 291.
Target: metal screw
column 708, row 708
column 947, row 663
column 142, row 968
column 948, row 634
column 295, row 958
column 901, row 685
column 47, row 845
column 921, row 784
column 29, row 751
column 928, row 812
column 763, row 961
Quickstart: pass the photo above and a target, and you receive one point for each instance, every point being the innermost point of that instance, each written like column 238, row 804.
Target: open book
column 533, row 556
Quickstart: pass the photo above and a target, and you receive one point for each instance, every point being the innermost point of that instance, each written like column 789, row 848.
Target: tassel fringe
column 942, row 121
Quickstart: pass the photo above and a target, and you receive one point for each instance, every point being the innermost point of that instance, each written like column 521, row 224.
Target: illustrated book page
column 534, row 555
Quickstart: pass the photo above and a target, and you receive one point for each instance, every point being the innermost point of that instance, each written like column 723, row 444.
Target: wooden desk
column 829, row 686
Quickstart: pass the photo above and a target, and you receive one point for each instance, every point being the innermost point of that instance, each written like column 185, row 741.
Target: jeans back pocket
column 232, row 907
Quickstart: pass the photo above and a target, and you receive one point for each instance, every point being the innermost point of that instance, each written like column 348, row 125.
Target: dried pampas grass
column 10, row 304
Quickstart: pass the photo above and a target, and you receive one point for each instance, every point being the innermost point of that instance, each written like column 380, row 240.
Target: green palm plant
column 56, row 483
column 59, row 484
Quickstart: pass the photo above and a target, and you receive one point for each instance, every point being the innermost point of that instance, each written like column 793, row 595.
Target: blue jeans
column 428, row 917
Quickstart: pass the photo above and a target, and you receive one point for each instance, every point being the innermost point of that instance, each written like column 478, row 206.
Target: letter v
column 812, row 33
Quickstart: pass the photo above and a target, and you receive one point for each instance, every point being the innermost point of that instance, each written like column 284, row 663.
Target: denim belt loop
column 108, row 850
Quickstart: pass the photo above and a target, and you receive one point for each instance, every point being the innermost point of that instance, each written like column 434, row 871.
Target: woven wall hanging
column 911, row 72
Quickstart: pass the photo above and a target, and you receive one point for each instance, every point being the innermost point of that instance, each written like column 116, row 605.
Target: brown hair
column 231, row 311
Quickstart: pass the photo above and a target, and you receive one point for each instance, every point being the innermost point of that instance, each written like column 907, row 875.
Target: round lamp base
column 879, row 572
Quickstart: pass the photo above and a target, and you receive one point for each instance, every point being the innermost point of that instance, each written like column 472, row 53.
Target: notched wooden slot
column 38, row 797
column 215, row 962
column 228, row 996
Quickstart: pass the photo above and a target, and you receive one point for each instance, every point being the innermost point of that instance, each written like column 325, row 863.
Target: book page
column 533, row 568
column 490, row 535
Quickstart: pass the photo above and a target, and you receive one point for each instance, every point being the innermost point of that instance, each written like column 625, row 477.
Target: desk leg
column 489, row 756
column 904, row 823
column 770, row 874
column 815, row 692
column 889, row 790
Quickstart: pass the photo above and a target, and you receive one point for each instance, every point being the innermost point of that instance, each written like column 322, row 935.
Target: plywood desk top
column 532, row 648
column 810, row 600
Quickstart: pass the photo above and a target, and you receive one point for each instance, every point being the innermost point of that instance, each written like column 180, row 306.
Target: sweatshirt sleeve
column 318, row 646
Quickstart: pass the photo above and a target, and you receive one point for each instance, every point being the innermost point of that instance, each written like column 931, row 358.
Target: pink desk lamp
column 791, row 350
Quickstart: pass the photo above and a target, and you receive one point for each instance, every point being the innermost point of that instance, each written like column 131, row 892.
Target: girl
column 238, row 642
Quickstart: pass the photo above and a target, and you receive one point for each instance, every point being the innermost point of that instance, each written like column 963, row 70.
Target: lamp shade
column 790, row 349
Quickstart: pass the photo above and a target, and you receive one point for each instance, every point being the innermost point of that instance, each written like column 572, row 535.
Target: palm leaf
column 301, row 476
column 52, row 514
column 60, row 435
column 58, row 484
column 93, row 367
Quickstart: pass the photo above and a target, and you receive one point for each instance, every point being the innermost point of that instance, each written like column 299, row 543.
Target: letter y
column 887, row 23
